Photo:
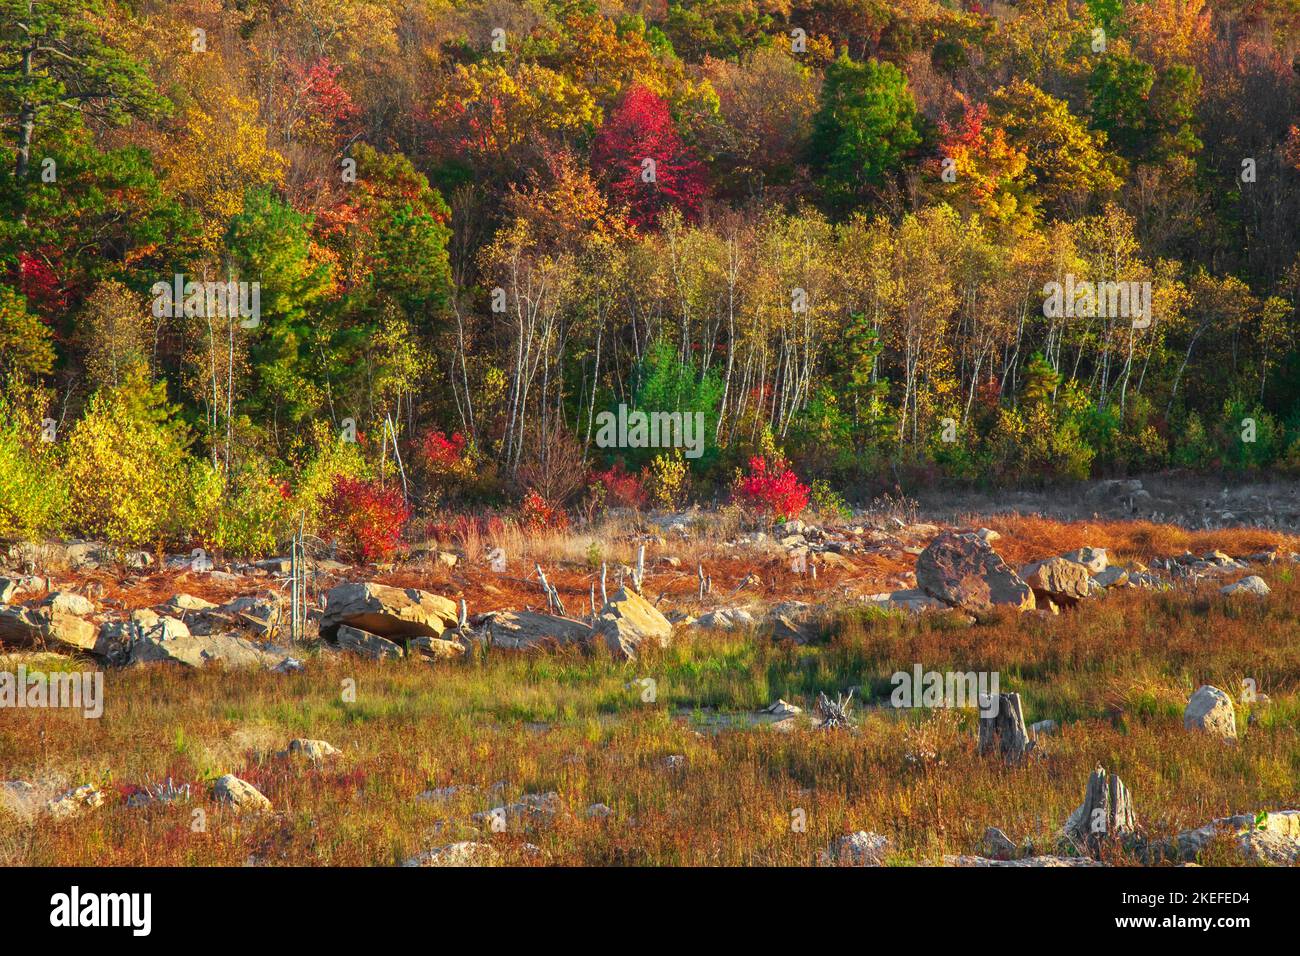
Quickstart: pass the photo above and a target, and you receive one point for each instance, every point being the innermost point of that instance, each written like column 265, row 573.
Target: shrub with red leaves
column 621, row 488
column 443, row 453
column 363, row 518
column 538, row 514
column 772, row 489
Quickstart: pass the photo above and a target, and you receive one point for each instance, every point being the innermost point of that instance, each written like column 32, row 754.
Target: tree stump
column 1106, row 814
column 1005, row 730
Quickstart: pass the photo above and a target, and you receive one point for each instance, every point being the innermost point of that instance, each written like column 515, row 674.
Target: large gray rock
column 1210, row 711
column 725, row 619
column 1094, row 559
column 200, row 650
column 46, row 628
column 626, row 622
column 863, row 848
column 239, row 794
column 1266, row 838
column 1064, row 581
column 1251, row 585
column 68, row 602
column 363, row 644
column 963, row 571
column 530, row 630
column 394, row 613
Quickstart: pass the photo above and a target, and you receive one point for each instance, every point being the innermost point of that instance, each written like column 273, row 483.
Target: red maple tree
column 644, row 162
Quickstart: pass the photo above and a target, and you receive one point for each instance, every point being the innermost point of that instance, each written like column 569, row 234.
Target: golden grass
column 1116, row 674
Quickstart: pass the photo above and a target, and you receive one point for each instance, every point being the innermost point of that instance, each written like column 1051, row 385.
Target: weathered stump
column 1106, row 814
column 1004, row 731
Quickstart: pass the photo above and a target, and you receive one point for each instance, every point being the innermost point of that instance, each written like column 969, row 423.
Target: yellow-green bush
column 33, row 500
column 125, row 467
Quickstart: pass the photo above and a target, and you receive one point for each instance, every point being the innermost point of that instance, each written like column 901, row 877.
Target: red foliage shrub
column 538, row 514
column 621, row 488
column 363, row 518
column 443, row 453
column 772, row 489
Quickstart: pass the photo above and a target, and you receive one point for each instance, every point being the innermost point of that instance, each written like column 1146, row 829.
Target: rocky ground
column 824, row 607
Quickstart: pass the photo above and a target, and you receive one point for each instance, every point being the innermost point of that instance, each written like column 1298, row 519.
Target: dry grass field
column 695, row 775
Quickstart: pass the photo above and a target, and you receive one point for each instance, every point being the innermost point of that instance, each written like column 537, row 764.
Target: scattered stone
column 314, row 750
column 1250, row 585
column 997, row 845
column 963, row 571
column 783, row 709
column 85, row 797
column 466, row 853
column 1029, row 861
column 1270, row 838
column 239, row 794
column 1046, row 728
column 1210, row 711
column 792, row 621
column 910, row 599
column 598, row 811
column 863, row 848
column 530, row 811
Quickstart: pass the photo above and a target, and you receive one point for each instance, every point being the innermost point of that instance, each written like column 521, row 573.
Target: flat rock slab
column 530, row 630
column 386, row 611
column 201, row 650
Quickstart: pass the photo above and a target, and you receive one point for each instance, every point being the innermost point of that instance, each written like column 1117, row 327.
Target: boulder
column 1271, row 838
column 963, row 571
column 239, row 794
column 997, row 845
column 1210, row 711
column 435, row 648
column 792, row 621
column 46, row 627
column 386, row 611
column 201, row 650
column 1065, row 582
column 364, row 644
column 863, row 848
column 527, row 630
column 726, row 619
column 1111, row 578
column 313, row 750
column 1254, row 585
column 68, row 602
column 1094, row 559
column 8, row 588
column 626, row 622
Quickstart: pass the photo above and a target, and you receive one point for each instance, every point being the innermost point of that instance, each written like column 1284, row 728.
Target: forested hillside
column 866, row 241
